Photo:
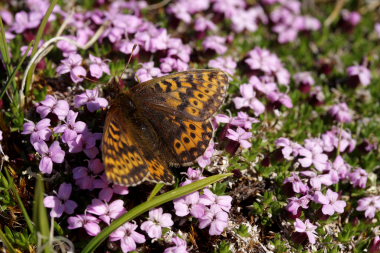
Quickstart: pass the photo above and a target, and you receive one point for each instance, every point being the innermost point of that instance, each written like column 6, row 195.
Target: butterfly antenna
column 89, row 79
column 129, row 60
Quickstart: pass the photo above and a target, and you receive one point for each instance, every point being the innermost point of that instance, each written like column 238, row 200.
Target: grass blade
column 156, row 189
column 35, row 48
column 19, row 201
column 40, row 216
column 146, row 206
column 6, row 242
column 12, row 76
column 3, row 46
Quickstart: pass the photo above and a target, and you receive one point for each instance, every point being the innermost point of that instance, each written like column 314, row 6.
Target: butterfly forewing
column 195, row 94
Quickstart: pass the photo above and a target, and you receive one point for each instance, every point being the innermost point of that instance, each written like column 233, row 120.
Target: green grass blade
column 19, row 202
column 40, row 216
column 12, row 76
column 6, row 242
column 40, row 32
column 3, row 45
column 156, row 189
column 146, row 206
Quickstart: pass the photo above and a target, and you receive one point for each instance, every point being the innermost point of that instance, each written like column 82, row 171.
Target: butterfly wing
column 127, row 161
column 195, row 94
column 179, row 106
column 184, row 139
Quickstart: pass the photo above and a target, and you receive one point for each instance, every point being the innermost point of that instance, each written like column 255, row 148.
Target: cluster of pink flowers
column 268, row 74
column 236, row 130
column 72, row 133
column 211, row 210
column 318, row 174
column 73, row 65
column 24, row 22
column 288, row 21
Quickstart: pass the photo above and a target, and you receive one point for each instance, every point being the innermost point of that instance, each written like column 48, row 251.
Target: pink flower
column 66, row 47
column 89, row 178
column 281, row 98
column 341, row 112
column 128, row 237
column 359, row 178
column 205, row 159
column 341, row 167
column 91, row 99
column 249, row 99
column 313, row 154
column 226, row 64
column 304, row 78
column 375, row 247
column 88, row 222
column 243, row 120
column 126, row 46
column 51, row 104
column 227, row 7
column 289, row 149
column 210, row 199
column 61, row 203
column 107, row 211
column 71, row 129
column 72, row 65
column 361, row 72
column 353, row 18
column 24, row 21
column 193, row 175
column 216, row 43
column 330, row 202
column 202, row 24
column 98, row 66
column 370, row 205
column 147, row 72
column 180, row 246
column 241, row 136
column 295, row 203
column 297, row 185
column 39, row 132
column 157, row 220
column 51, row 154
column 316, row 181
column 152, row 39
column 189, row 204
column 306, row 227
column 215, row 218
column 85, row 142
column 248, row 19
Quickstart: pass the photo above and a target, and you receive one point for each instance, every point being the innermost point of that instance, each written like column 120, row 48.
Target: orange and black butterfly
column 160, row 123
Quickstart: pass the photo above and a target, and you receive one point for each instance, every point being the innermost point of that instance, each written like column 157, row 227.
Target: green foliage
column 243, row 230
column 224, row 247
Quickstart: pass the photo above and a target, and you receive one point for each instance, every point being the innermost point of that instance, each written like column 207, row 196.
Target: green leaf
column 6, row 242
column 12, row 76
column 40, row 32
column 243, row 231
column 146, row 206
column 3, row 46
column 40, row 216
column 224, row 247
column 19, row 201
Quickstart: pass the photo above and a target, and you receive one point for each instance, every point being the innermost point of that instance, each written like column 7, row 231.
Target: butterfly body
column 160, row 123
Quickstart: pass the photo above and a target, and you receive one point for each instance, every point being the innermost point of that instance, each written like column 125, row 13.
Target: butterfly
column 160, row 123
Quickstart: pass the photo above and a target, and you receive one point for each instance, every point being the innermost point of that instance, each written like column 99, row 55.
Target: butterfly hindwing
column 184, row 139
column 123, row 161
column 128, row 155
